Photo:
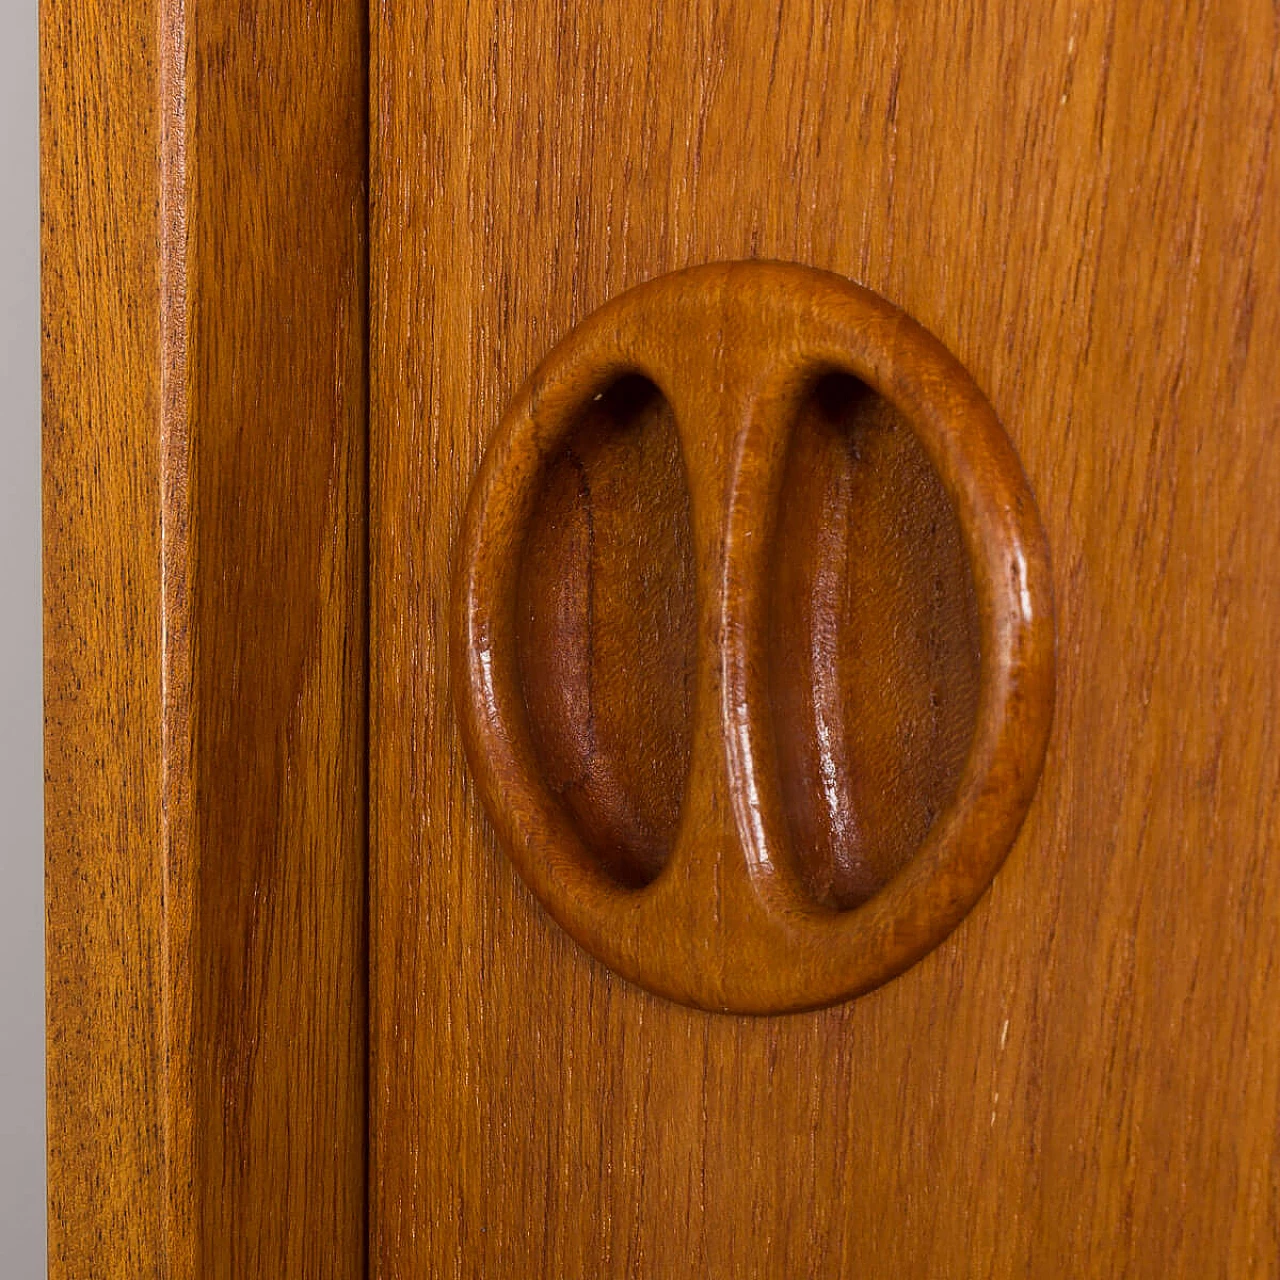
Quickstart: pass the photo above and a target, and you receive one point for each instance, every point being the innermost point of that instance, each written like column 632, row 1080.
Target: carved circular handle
column 753, row 638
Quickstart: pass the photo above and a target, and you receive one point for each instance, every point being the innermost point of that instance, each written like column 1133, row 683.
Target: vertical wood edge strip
column 100, row 93
column 179, row 1224
column 160, row 1162
column 276, row 190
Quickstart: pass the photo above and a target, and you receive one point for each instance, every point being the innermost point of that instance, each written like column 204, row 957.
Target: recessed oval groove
column 873, row 642
column 606, row 629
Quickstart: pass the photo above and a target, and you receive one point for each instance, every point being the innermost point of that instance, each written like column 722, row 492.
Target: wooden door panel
column 1085, row 1079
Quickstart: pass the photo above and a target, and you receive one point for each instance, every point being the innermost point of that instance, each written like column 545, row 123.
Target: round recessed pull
column 753, row 637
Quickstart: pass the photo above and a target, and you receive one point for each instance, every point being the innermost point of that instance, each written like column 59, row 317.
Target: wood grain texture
column 104, row 709
column 1078, row 200
column 874, row 651
column 739, row 353
column 205, row 344
column 605, row 630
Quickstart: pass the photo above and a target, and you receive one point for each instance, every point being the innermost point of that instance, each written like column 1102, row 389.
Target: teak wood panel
column 204, row 215
column 1079, row 201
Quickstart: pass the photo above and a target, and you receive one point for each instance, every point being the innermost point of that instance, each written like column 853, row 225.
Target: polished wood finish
column 605, row 629
column 874, row 648
column 203, row 249
column 733, row 916
column 1085, row 1077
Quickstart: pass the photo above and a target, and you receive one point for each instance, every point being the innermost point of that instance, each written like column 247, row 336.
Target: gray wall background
column 22, row 1169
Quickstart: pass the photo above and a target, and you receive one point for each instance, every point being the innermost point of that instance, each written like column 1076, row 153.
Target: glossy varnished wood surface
column 737, row 916
column 204, row 241
column 874, row 653
column 605, row 630
column 1086, row 1076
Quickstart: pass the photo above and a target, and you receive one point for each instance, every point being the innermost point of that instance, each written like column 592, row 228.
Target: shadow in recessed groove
column 606, row 629
column 874, row 642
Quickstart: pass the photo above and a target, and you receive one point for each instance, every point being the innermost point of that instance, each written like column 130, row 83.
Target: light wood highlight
column 204, row 244
column 1078, row 200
